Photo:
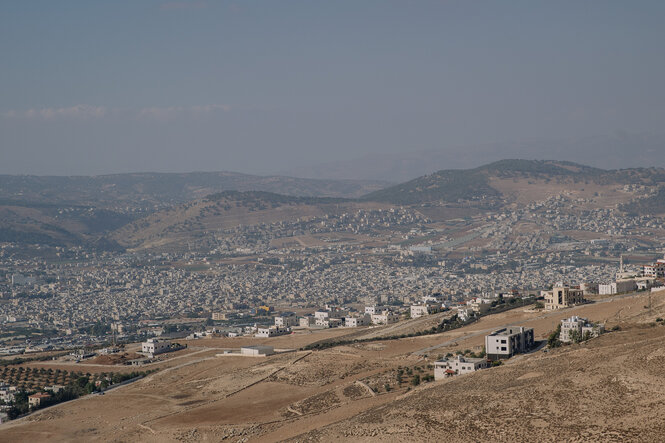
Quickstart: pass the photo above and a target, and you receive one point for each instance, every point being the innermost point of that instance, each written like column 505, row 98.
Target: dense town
column 368, row 268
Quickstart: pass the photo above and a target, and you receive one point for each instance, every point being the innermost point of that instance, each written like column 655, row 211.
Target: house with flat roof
column 286, row 320
column 257, row 351
column 384, row 318
column 424, row 309
column 356, row 321
column 578, row 327
column 563, row 297
column 449, row 367
column 272, row 331
column 36, row 400
column 506, row 342
column 153, row 346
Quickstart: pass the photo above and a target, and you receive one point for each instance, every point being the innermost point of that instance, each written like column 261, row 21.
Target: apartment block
column 506, row 342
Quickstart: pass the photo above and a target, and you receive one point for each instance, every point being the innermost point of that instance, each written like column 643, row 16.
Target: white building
column 272, row 331
column 306, row 322
column 465, row 314
column 580, row 326
column 506, row 342
column 328, row 322
column 257, row 351
column 655, row 270
column 458, row 366
column 618, row 287
column 153, row 346
column 286, row 320
column 321, row 315
column 385, row 318
column 480, row 305
column 354, row 322
column 424, row 309
column 371, row 310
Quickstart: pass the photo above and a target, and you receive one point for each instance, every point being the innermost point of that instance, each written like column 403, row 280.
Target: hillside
column 609, row 389
column 139, row 210
column 618, row 150
column 80, row 210
column 481, row 186
column 179, row 224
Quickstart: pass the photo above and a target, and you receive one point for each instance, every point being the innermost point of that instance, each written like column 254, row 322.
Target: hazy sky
column 89, row 87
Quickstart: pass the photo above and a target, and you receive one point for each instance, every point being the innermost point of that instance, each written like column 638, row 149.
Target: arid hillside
column 224, row 211
column 608, row 389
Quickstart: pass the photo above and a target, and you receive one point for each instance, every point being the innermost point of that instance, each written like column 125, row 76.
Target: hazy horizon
column 295, row 87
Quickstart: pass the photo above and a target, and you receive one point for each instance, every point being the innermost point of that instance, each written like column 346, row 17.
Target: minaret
column 621, row 263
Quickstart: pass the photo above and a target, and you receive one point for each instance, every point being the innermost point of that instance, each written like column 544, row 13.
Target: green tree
column 553, row 339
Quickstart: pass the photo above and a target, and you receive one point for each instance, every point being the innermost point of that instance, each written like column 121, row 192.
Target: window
column 503, row 348
column 503, row 342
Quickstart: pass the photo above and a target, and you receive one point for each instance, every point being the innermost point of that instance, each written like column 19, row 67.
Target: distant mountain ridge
column 614, row 151
column 154, row 209
column 144, row 189
column 475, row 184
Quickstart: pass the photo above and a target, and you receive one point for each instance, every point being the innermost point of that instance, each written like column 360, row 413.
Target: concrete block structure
column 257, row 351
column 563, row 297
column 506, row 342
column 286, row 320
column 354, row 322
column 384, row 318
column 35, row 400
column 580, row 326
column 424, row 309
column 459, row 365
column 272, row 331
column 153, row 346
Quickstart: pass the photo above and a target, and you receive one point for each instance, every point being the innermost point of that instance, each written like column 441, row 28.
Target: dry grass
column 609, row 389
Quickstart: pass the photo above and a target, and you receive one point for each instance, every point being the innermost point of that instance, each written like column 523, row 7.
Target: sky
column 96, row 87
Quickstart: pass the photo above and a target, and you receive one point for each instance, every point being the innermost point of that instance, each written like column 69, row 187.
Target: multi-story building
column 459, row 365
column 385, row 318
column 354, row 322
column 562, row 297
column 371, row 310
column 286, row 320
column 578, row 326
column 506, row 342
column 153, row 346
column 618, row 287
column 307, row 321
column 424, row 309
column 35, row 400
column 655, row 270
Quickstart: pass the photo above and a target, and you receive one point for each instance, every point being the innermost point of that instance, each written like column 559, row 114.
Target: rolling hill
column 485, row 185
column 81, row 210
column 147, row 189
column 144, row 209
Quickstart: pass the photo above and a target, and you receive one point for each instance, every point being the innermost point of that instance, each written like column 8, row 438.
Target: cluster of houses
column 652, row 277
column 507, row 342
column 333, row 316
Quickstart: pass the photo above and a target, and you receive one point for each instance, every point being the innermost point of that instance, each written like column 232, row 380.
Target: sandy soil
column 610, row 389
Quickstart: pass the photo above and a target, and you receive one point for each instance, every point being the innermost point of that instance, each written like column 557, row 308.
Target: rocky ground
column 609, row 389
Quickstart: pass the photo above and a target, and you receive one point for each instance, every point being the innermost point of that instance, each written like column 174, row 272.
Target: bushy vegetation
column 553, row 339
column 75, row 386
